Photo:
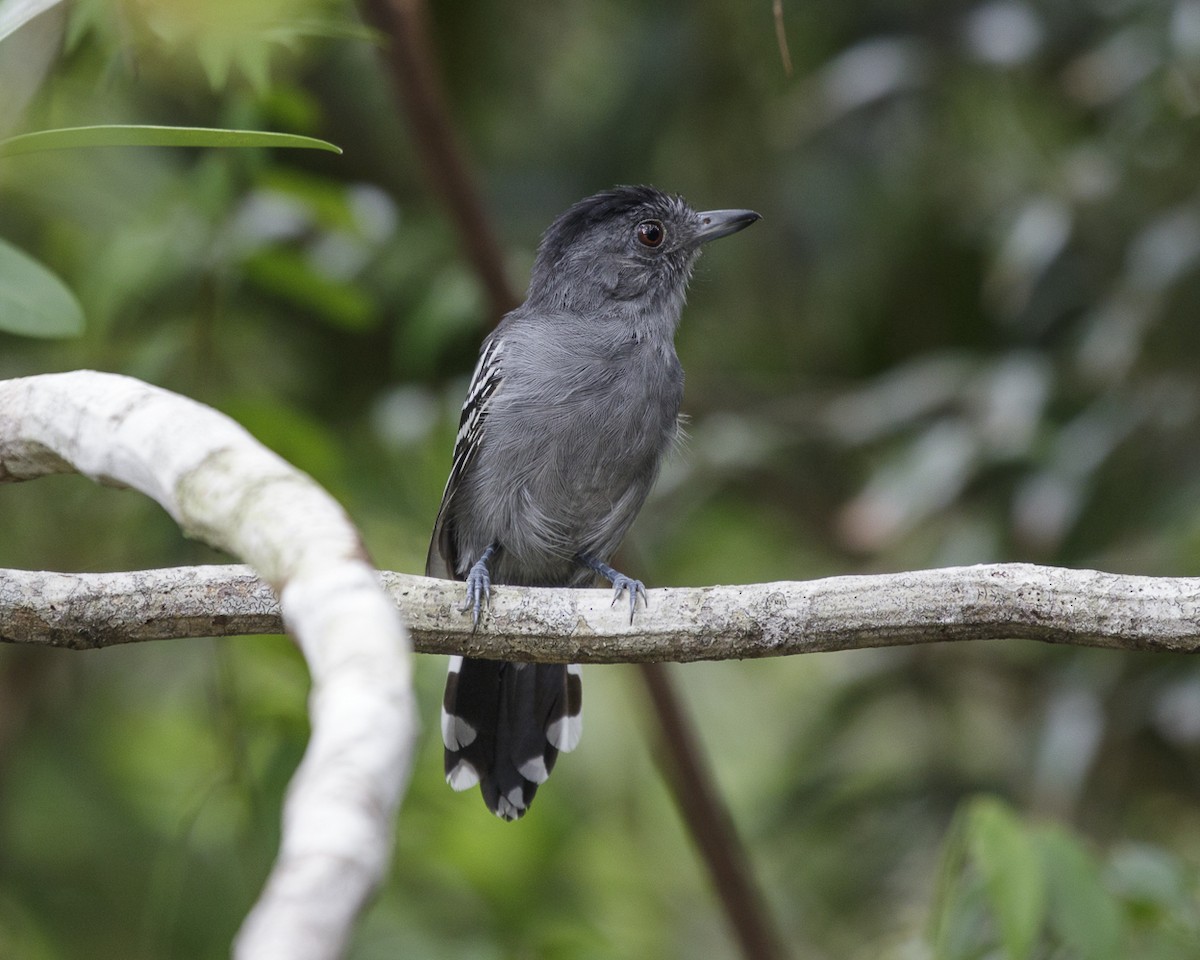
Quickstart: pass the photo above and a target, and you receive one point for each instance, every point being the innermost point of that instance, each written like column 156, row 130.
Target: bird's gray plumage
column 573, row 404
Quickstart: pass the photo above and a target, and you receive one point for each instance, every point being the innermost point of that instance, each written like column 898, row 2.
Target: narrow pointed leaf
column 947, row 887
column 126, row 135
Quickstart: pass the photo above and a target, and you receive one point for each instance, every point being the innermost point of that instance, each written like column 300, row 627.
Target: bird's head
column 629, row 248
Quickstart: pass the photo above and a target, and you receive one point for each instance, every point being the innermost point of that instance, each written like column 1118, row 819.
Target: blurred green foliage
column 1014, row 890
column 966, row 331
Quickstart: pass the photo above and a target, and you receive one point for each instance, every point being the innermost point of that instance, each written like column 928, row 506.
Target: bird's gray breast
column 575, row 437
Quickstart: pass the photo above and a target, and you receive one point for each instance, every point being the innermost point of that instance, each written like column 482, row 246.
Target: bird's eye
column 650, row 233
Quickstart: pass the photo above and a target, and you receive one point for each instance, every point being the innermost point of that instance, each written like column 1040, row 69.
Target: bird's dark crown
column 620, row 205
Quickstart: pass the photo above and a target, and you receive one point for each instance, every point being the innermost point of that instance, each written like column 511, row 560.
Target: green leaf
column 33, row 301
column 14, row 14
column 133, row 135
column 1085, row 917
column 1012, row 870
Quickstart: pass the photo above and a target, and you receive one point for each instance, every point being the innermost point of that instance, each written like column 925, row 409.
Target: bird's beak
column 721, row 223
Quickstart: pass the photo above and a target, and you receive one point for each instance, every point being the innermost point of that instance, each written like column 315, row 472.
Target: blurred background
column 965, row 331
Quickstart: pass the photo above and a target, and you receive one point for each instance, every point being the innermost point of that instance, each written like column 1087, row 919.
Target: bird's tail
column 504, row 724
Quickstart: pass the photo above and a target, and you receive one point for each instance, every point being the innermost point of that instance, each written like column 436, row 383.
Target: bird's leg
column 619, row 581
column 479, row 584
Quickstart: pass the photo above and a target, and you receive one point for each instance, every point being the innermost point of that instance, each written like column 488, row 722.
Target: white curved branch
column 992, row 601
column 223, row 487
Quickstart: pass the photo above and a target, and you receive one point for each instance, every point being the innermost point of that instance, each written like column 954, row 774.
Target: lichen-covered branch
column 991, row 601
column 223, row 487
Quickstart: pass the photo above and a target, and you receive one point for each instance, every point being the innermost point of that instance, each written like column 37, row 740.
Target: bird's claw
column 635, row 588
column 479, row 586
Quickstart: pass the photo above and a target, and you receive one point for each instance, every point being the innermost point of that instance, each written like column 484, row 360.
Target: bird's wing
column 442, row 560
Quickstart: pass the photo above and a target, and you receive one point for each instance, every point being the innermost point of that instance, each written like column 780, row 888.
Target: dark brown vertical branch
column 695, row 791
column 414, row 68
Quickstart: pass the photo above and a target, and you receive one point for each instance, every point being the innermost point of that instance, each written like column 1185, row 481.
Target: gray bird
column 572, row 406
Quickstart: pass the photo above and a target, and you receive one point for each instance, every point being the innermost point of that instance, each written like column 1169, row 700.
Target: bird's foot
column 479, row 587
column 620, row 582
column 635, row 588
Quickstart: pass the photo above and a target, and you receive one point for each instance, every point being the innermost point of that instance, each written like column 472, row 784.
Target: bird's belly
column 570, row 493
column 569, row 456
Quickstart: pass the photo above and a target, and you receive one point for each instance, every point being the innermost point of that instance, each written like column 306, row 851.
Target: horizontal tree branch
column 992, row 601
